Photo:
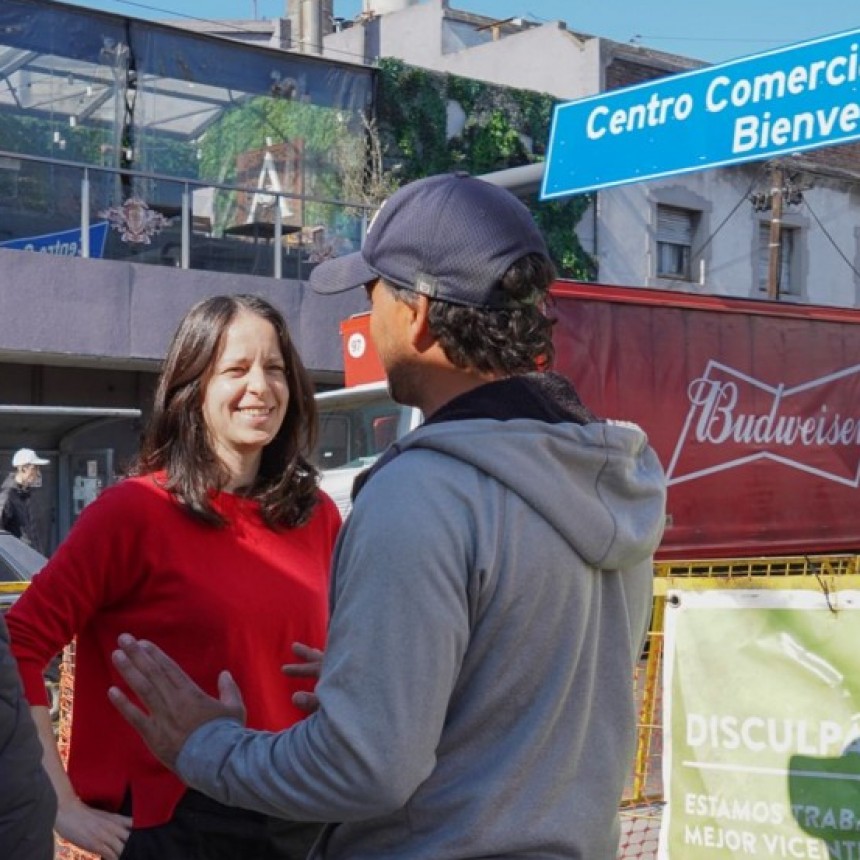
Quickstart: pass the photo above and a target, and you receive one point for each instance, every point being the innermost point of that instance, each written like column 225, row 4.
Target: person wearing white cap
column 15, row 514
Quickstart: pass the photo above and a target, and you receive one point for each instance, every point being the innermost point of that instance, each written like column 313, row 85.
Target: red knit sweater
column 232, row 598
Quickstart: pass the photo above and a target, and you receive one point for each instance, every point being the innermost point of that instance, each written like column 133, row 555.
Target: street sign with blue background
column 66, row 243
column 788, row 100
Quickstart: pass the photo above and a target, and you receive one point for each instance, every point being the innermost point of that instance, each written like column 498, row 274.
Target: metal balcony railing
column 75, row 209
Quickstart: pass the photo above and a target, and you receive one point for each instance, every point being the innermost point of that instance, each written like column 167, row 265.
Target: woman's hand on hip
column 102, row 833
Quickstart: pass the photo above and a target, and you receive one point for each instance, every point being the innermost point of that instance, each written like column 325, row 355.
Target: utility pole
column 774, row 257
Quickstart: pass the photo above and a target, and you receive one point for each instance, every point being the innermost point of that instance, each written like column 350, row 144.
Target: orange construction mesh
column 65, row 850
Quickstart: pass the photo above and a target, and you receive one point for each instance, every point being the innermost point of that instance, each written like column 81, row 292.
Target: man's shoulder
column 414, row 454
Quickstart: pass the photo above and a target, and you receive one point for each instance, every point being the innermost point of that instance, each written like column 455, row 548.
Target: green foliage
column 169, row 156
column 35, row 136
column 556, row 219
column 411, row 113
column 502, row 127
column 323, row 133
column 492, row 145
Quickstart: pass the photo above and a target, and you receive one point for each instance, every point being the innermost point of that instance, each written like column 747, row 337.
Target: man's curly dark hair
column 511, row 340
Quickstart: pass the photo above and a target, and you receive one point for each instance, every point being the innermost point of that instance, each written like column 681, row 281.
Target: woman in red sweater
column 218, row 550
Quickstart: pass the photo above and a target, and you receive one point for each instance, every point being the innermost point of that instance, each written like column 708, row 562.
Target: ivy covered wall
column 432, row 122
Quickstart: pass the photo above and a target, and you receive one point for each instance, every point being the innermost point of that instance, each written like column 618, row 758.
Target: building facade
column 143, row 168
column 706, row 232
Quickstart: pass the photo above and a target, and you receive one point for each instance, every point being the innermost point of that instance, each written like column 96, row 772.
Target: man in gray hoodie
column 491, row 588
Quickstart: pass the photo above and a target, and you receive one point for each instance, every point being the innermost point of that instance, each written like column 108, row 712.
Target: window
column 788, row 243
column 675, row 229
column 9, row 172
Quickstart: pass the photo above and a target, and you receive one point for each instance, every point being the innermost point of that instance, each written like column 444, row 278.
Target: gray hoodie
column 491, row 594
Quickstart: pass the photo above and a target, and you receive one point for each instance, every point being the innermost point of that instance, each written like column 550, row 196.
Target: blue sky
column 711, row 31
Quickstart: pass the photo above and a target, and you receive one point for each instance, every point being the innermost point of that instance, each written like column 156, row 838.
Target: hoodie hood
column 598, row 483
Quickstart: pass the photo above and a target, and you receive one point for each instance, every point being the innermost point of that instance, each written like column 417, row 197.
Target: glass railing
column 72, row 209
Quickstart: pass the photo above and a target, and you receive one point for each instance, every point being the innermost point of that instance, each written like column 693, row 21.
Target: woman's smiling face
column 246, row 396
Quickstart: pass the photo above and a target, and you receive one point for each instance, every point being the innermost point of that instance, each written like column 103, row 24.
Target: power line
column 743, row 198
column 830, row 238
column 729, row 39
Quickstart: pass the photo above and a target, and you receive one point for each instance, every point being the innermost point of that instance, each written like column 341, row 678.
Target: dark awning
column 50, row 428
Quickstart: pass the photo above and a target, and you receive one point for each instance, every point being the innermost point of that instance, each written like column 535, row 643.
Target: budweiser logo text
column 721, row 421
column 734, row 419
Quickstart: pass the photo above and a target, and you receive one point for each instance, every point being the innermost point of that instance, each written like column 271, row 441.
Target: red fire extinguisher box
column 360, row 360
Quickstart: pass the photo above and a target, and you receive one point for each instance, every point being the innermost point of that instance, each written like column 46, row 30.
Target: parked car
column 19, row 563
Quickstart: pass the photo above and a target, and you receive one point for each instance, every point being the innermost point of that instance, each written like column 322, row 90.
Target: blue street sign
column 66, row 243
column 788, row 100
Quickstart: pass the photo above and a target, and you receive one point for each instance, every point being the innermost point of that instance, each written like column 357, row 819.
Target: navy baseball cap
column 449, row 237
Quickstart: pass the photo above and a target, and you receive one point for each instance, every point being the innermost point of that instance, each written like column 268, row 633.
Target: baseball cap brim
column 27, row 457
column 341, row 274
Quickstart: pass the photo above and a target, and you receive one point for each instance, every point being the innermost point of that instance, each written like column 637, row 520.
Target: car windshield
column 356, row 428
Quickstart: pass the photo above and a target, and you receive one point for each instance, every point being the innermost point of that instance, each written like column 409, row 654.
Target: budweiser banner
column 753, row 408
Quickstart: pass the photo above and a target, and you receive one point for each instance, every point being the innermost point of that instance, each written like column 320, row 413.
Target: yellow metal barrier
column 9, row 592
column 642, row 803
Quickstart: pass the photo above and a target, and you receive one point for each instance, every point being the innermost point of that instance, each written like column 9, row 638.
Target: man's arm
column 5, row 509
column 310, row 667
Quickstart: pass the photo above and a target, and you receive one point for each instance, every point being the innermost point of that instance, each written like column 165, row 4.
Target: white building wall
column 348, row 45
column 627, row 232
column 415, row 36
column 411, row 34
column 832, row 263
column 574, row 72
column 726, row 255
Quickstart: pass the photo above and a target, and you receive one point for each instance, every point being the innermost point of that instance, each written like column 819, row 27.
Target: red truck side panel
column 752, row 407
column 360, row 360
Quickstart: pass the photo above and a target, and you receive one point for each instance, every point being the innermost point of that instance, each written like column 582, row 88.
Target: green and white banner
column 761, row 716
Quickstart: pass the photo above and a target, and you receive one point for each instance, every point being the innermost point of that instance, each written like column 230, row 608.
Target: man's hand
column 310, row 668
column 176, row 705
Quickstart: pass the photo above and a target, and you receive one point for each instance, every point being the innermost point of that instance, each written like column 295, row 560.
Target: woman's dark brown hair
column 176, row 439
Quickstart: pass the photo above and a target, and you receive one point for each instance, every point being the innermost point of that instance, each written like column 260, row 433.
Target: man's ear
column 419, row 327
